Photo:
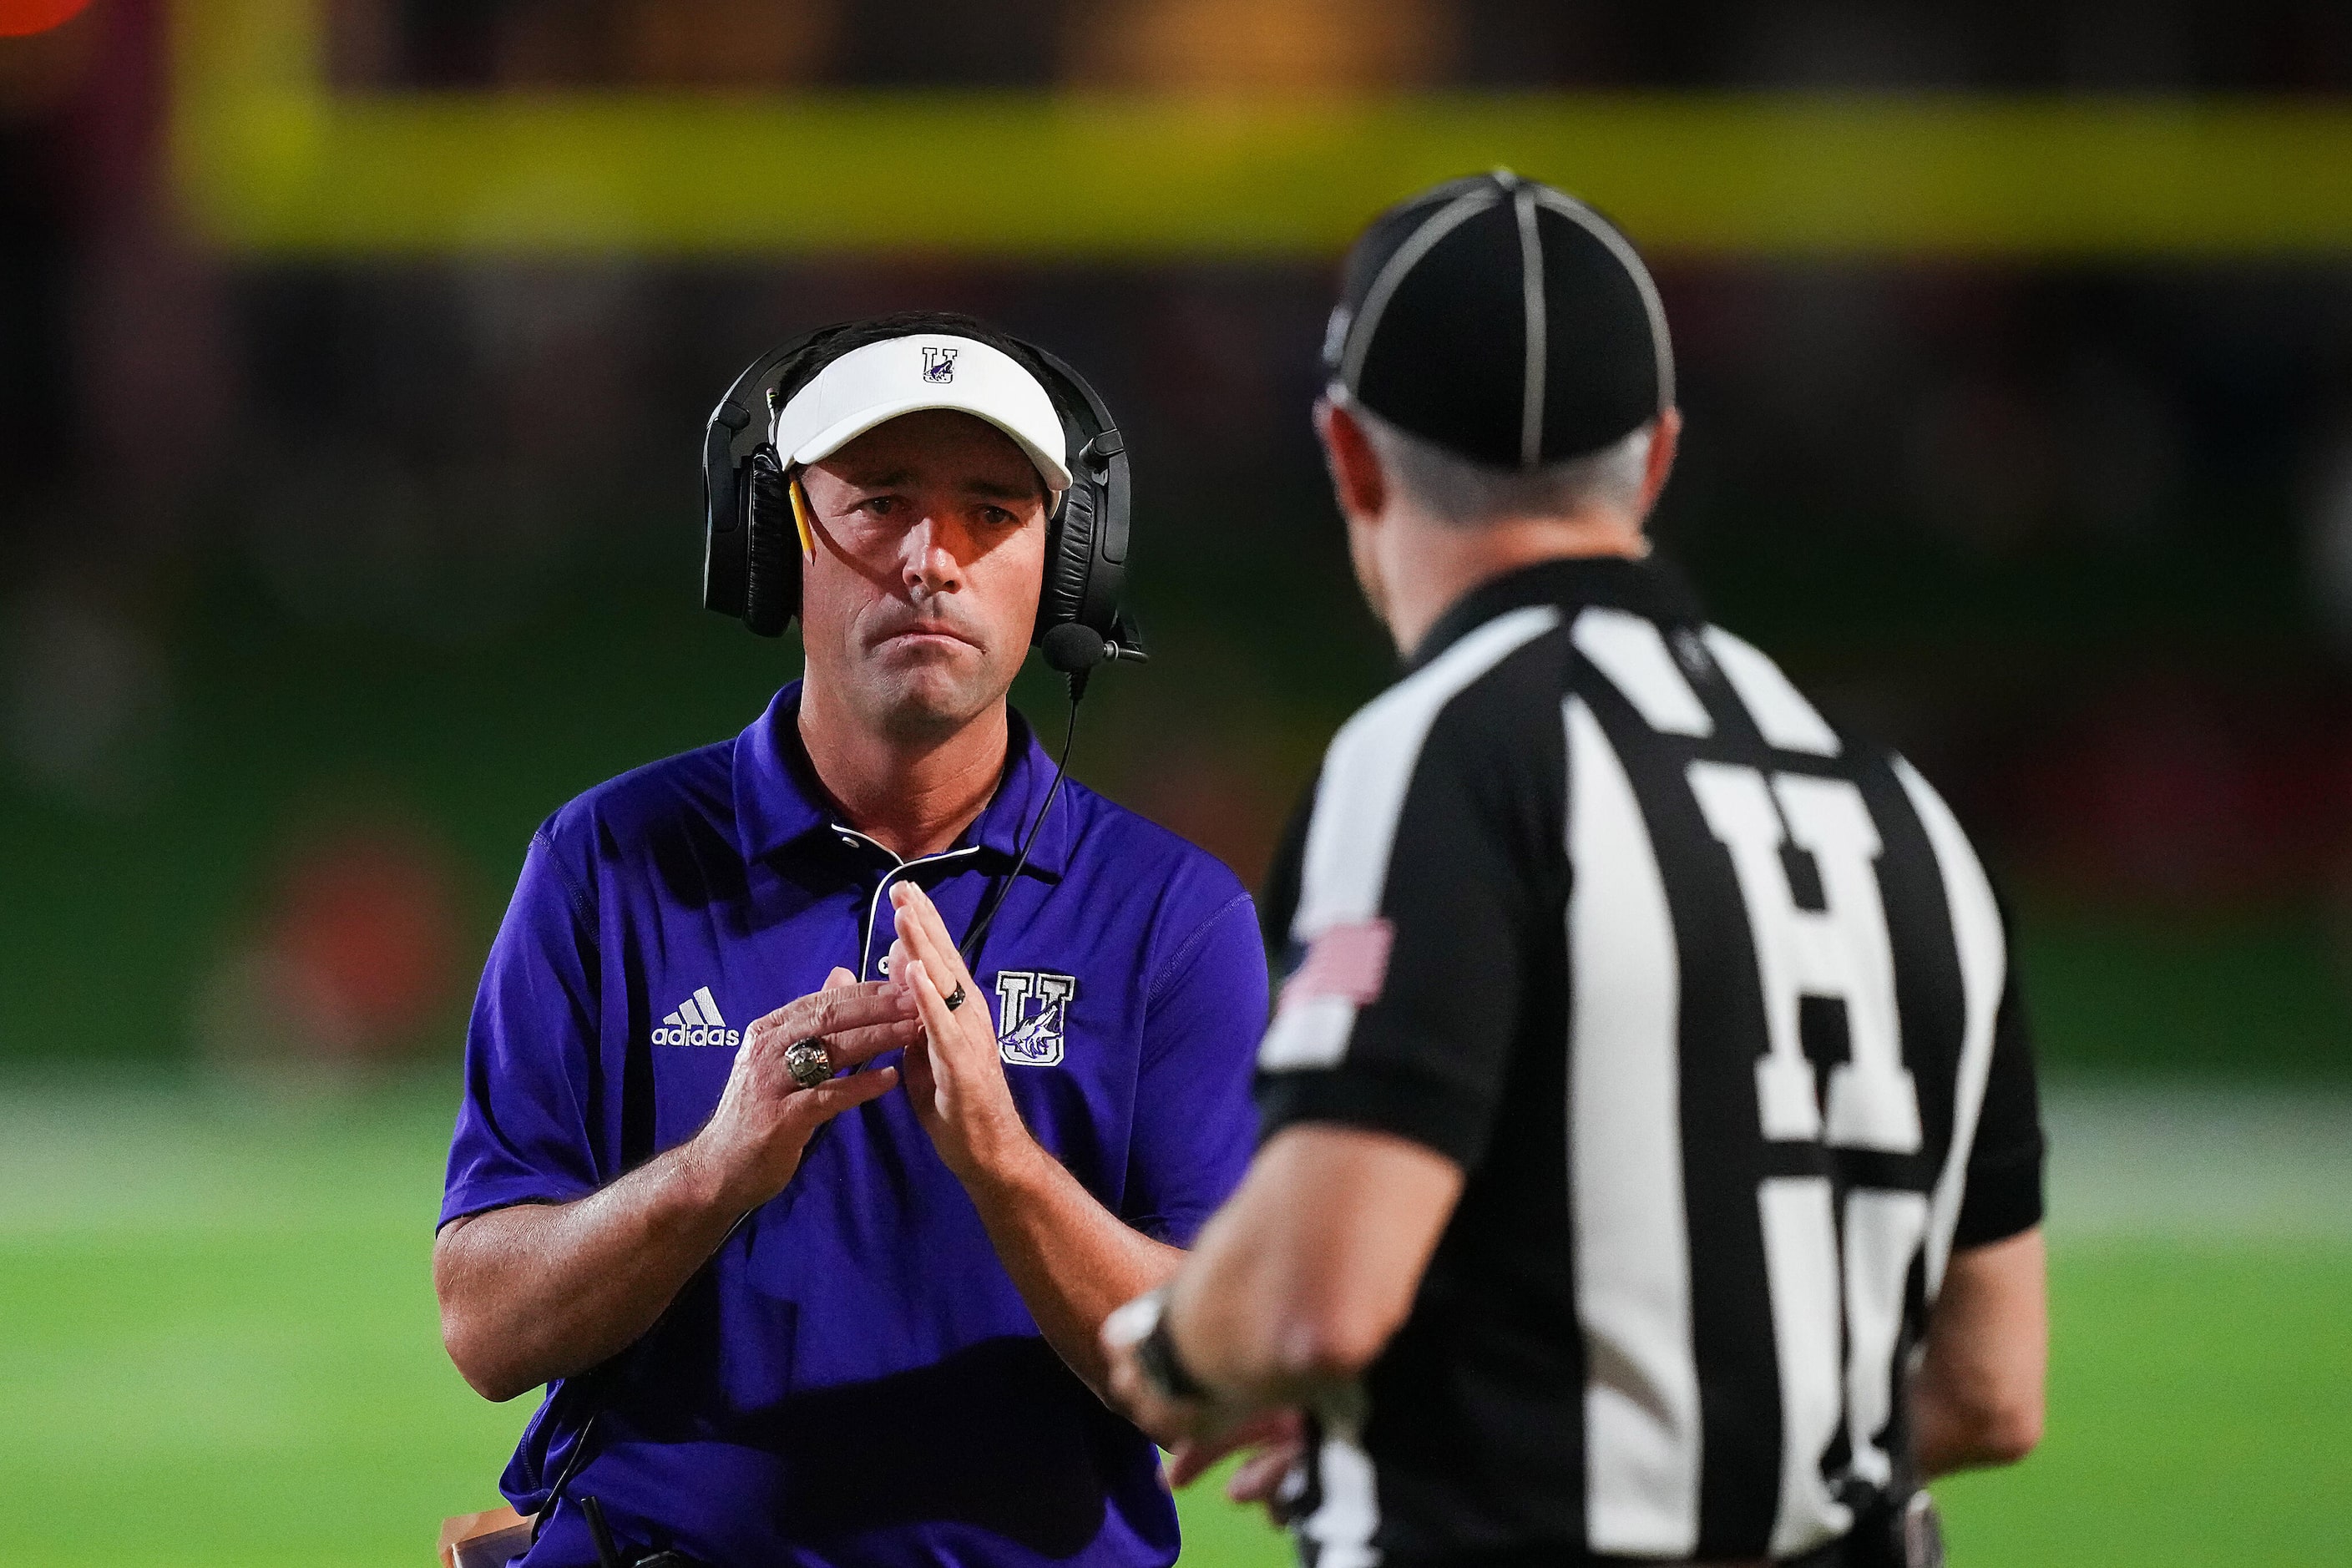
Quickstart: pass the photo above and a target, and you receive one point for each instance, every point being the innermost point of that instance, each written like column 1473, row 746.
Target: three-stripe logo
column 697, row 1022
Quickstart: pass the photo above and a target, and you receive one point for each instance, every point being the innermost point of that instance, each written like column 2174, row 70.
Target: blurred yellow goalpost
column 269, row 158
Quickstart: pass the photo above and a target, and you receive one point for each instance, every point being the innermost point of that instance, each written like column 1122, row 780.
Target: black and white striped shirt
column 1712, row 1002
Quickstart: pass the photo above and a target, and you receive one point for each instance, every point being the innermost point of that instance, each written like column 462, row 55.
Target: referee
column 1651, row 1164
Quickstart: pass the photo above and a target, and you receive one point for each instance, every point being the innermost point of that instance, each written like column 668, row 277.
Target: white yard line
column 88, row 1164
column 2199, row 1162
column 2129, row 1162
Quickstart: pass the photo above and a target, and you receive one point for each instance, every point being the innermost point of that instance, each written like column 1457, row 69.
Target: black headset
column 751, row 548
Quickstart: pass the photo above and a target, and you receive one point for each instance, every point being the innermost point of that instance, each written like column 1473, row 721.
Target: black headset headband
column 751, row 557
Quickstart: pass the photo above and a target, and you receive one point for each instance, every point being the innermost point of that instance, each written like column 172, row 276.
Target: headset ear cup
column 1069, row 559
column 772, row 588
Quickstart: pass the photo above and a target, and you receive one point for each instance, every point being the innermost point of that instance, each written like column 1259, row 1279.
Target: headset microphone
column 1073, row 648
column 1076, row 649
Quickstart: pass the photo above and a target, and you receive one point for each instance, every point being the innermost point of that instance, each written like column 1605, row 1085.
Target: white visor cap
column 870, row 386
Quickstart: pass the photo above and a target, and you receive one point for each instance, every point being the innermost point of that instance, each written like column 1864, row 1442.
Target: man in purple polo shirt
column 855, row 1322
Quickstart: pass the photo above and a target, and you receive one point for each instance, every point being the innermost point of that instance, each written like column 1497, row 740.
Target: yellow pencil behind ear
column 801, row 521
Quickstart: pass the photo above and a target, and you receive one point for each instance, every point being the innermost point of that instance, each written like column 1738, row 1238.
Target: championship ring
column 807, row 1062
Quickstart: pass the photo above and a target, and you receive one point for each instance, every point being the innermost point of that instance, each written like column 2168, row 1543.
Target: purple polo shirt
column 854, row 1379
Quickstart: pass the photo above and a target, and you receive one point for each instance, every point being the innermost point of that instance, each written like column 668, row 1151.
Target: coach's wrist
column 1001, row 1160
column 721, row 1177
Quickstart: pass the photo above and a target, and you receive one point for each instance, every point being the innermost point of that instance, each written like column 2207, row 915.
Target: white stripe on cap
column 1418, row 243
column 1576, row 212
column 1531, row 291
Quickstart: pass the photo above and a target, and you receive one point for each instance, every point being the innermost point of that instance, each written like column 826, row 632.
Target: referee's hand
column 1273, row 1439
column 1275, row 1442
column 753, row 1141
column 1198, row 1434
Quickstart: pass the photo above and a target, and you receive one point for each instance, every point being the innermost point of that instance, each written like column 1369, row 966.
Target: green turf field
column 217, row 1341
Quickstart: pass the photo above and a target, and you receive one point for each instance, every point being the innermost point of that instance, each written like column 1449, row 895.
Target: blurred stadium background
column 352, row 359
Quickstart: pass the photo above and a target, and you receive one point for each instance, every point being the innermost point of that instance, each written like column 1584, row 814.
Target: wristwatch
column 1143, row 1323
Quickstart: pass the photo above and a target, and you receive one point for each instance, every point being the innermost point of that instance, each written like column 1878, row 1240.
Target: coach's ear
column 1357, row 479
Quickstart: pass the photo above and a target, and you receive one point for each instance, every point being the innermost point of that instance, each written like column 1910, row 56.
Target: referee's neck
column 1426, row 566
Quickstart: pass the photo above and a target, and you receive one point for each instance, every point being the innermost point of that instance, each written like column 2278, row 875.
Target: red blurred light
column 368, row 920
column 22, row 18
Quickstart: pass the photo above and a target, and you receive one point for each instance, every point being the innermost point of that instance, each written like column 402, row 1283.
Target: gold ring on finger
column 808, row 1062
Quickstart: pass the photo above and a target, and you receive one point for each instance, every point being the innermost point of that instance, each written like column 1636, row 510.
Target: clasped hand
column 754, row 1140
column 954, row 1072
column 954, row 1077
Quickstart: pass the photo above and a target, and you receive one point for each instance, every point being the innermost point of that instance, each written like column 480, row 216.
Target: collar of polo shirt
column 873, row 385
column 777, row 802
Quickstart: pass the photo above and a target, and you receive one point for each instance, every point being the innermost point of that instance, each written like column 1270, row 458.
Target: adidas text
column 697, row 1023
column 696, row 1035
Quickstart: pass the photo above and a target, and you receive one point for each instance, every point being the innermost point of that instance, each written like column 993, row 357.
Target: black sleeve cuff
column 1410, row 1105
column 2003, row 1198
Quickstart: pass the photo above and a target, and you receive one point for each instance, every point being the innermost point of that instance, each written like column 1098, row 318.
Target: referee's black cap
column 1504, row 320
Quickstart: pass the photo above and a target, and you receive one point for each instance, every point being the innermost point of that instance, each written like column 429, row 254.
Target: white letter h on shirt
column 1840, row 950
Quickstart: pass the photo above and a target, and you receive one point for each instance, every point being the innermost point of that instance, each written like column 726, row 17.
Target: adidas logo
column 697, row 1023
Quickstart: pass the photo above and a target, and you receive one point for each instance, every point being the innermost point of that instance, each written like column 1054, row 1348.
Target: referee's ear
column 1357, row 479
column 1665, row 441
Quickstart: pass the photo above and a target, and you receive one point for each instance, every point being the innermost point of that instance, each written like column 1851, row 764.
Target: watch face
column 1128, row 1324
